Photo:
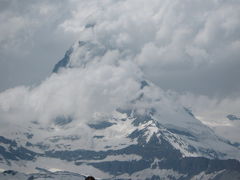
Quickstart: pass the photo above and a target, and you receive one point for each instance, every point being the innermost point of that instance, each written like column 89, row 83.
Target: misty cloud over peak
column 174, row 42
column 181, row 45
column 94, row 83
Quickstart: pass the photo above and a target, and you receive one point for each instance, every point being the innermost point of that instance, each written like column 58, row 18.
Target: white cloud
column 100, row 88
column 172, row 41
column 194, row 41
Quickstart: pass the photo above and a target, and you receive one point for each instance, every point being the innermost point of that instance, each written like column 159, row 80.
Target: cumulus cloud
column 174, row 41
column 181, row 45
column 94, row 87
column 74, row 93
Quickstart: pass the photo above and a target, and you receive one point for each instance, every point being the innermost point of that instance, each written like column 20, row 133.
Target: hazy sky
column 31, row 40
column 189, row 47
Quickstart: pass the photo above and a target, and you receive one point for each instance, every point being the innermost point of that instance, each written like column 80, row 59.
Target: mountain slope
column 143, row 145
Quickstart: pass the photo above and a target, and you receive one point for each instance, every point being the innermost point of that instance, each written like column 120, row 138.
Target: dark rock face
column 15, row 152
column 101, row 125
column 189, row 112
column 196, row 165
column 120, row 167
column 29, row 135
column 144, row 84
column 63, row 62
column 233, row 117
column 228, row 174
column 62, row 120
column 7, row 141
column 10, row 172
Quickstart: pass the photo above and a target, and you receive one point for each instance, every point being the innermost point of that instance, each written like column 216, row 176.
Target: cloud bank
column 181, row 45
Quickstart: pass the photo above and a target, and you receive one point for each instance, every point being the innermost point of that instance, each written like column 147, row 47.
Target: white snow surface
column 148, row 173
